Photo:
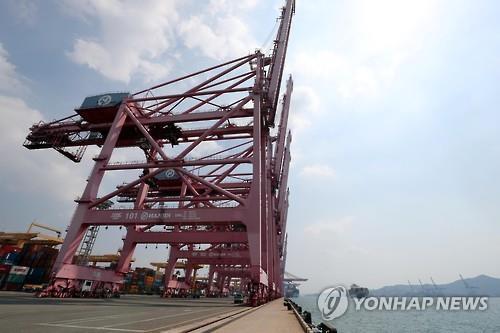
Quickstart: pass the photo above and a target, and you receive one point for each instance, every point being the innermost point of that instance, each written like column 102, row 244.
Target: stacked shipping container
column 30, row 265
column 143, row 281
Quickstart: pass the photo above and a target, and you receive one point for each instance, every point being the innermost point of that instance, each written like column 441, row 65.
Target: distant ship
column 290, row 285
column 291, row 290
column 358, row 292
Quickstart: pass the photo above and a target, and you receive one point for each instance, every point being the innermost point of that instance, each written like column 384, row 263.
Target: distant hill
column 481, row 285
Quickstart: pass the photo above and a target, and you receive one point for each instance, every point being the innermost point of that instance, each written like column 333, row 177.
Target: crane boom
column 282, row 132
column 436, row 287
column 467, row 286
column 421, row 284
column 278, row 60
column 41, row 226
column 284, row 253
column 412, row 290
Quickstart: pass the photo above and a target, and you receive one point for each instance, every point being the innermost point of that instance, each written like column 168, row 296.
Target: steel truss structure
column 213, row 182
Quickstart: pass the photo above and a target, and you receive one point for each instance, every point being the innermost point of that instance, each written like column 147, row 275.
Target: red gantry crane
column 225, row 208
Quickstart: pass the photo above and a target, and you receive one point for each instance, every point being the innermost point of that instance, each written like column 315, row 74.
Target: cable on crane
column 267, row 42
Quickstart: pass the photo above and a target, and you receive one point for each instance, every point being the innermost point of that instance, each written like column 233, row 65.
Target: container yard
column 29, row 268
column 26, row 259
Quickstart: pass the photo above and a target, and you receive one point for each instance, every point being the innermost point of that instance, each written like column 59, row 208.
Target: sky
column 395, row 157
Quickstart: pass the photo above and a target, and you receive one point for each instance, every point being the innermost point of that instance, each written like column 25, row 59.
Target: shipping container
column 38, row 256
column 9, row 254
column 4, row 273
column 16, row 277
column 37, row 276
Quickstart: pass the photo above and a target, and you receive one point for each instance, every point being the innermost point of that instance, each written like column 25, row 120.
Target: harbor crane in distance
column 45, row 227
column 437, row 289
column 422, row 286
column 470, row 288
column 411, row 286
column 225, row 207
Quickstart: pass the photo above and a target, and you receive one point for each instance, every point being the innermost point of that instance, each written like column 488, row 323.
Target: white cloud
column 205, row 148
column 385, row 34
column 329, row 228
column 349, row 76
column 387, row 25
column 336, row 241
column 132, row 35
column 217, row 37
column 10, row 80
column 24, row 10
column 318, row 170
column 304, row 106
column 26, row 170
column 216, row 6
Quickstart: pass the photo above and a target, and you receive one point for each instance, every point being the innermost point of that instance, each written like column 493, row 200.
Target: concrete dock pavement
column 22, row 312
column 270, row 317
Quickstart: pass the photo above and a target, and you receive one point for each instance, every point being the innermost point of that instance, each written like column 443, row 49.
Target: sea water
column 426, row 321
